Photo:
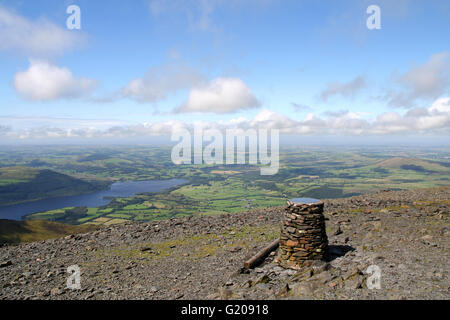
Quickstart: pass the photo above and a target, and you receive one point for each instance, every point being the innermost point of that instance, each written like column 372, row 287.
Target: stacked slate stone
column 303, row 237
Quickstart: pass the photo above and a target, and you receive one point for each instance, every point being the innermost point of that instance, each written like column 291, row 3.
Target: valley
column 324, row 173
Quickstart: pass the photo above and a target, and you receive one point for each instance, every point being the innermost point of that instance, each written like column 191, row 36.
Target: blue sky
column 143, row 67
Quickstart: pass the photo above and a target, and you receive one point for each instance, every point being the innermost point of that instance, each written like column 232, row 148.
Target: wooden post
column 258, row 258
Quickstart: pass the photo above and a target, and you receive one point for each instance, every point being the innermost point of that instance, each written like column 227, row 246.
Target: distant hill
column 14, row 232
column 22, row 184
column 412, row 164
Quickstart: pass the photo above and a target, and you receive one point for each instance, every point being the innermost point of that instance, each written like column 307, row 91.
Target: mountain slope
column 404, row 233
column 14, row 232
column 22, row 184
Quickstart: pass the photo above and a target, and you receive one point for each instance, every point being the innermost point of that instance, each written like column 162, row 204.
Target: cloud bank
column 432, row 120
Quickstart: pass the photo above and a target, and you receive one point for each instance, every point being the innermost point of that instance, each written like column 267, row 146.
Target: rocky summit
column 386, row 245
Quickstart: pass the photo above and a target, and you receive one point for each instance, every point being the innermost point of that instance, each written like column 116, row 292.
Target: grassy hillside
column 21, row 184
column 412, row 164
column 14, row 232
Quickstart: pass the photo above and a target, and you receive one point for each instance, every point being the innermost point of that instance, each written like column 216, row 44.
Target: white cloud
column 438, row 115
column 43, row 81
column 161, row 81
column 441, row 106
column 39, row 38
column 269, row 119
column 422, row 83
column 347, row 89
column 436, row 118
column 221, row 95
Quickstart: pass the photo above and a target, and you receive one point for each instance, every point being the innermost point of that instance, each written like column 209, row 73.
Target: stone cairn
column 303, row 237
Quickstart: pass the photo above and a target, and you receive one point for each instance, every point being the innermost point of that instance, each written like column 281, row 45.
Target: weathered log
column 258, row 258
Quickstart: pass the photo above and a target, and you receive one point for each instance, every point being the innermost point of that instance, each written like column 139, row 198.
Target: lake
column 91, row 200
